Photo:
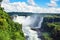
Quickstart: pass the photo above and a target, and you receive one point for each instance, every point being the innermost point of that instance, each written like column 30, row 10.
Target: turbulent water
column 29, row 23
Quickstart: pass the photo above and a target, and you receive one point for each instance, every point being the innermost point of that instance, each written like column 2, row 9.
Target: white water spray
column 29, row 22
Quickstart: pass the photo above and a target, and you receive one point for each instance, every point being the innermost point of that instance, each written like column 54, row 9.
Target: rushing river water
column 29, row 23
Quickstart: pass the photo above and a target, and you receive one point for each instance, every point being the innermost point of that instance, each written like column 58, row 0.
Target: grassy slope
column 8, row 29
column 52, row 28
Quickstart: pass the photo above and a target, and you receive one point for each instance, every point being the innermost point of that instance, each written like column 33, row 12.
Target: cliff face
column 51, row 28
column 9, row 30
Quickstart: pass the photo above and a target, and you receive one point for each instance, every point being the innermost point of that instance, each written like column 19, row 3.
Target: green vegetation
column 9, row 30
column 0, row 0
column 56, row 25
column 46, row 36
column 51, row 28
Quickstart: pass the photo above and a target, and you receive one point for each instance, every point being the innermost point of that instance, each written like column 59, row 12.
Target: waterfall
column 29, row 23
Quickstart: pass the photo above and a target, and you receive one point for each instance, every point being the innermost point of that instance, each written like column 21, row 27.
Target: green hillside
column 51, row 28
column 9, row 30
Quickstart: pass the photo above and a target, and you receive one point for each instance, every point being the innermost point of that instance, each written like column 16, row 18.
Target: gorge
column 29, row 23
column 32, row 27
column 36, row 27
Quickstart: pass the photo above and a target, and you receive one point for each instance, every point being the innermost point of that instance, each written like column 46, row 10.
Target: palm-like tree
column 0, row 2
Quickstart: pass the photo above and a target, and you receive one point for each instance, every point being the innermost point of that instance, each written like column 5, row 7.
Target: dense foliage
column 9, row 30
column 51, row 28
column 0, row 0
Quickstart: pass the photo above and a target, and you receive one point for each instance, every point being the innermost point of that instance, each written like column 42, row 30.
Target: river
column 30, row 26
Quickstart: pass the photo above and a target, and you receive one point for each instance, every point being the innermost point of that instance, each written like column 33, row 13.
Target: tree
column 0, row 2
column 9, row 30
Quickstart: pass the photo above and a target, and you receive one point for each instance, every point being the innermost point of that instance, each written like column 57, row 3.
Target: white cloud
column 52, row 3
column 24, row 7
column 19, row 7
column 5, row 1
column 31, row 2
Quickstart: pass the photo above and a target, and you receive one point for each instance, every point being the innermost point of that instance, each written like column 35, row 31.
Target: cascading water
column 29, row 23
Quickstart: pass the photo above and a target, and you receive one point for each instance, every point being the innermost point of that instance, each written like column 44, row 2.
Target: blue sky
column 36, row 6
column 42, row 3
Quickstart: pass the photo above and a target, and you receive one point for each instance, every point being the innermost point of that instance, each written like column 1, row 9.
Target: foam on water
column 28, row 23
